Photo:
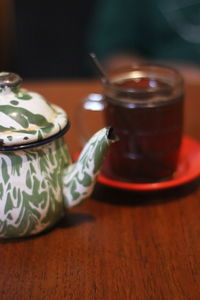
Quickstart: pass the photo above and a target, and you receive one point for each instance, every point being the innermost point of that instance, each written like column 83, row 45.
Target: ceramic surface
column 39, row 181
column 27, row 117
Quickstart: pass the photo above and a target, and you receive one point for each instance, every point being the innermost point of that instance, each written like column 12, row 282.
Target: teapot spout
column 80, row 177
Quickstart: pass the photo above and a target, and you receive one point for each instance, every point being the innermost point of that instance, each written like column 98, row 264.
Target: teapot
column 37, row 177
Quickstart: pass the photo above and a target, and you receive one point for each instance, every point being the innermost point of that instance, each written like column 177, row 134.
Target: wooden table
column 118, row 244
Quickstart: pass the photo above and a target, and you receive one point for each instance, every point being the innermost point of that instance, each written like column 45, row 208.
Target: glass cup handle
column 91, row 103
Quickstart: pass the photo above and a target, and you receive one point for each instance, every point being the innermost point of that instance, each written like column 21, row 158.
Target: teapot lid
column 26, row 116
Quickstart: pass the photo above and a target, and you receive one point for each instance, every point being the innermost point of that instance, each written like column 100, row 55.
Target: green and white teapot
column 37, row 179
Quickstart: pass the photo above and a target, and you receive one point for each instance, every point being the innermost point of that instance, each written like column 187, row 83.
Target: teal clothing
column 155, row 29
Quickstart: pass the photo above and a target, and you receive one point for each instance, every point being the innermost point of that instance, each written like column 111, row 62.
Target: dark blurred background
column 44, row 39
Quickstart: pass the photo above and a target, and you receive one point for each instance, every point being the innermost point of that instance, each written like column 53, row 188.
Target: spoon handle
column 102, row 74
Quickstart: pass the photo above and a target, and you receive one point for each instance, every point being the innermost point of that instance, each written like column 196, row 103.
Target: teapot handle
column 91, row 103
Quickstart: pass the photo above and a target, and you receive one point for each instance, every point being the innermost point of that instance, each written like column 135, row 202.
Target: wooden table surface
column 117, row 244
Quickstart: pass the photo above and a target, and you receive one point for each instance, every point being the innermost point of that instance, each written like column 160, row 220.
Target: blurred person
column 124, row 32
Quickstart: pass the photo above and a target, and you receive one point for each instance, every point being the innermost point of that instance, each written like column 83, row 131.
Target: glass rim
column 175, row 76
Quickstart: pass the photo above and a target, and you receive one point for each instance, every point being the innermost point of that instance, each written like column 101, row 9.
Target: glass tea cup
column 144, row 105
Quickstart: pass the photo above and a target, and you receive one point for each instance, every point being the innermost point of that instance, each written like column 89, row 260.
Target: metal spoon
column 103, row 76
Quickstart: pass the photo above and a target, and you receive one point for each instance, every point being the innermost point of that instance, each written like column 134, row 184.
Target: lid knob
column 9, row 79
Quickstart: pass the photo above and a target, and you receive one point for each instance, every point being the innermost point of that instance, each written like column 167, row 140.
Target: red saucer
column 188, row 169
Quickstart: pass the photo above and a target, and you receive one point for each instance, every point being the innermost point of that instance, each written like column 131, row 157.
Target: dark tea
column 145, row 107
